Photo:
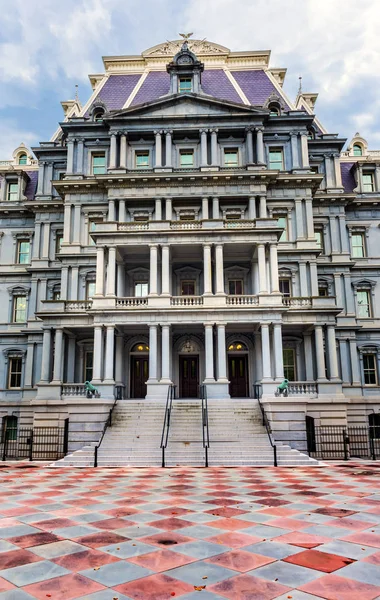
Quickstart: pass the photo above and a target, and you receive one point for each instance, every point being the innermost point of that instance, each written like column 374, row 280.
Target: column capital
column 168, row 131
column 249, row 129
column 214, row 130
column 259, row 129
column 158, row 131
column 204, row 130
column 208, row 325
column 221, row 323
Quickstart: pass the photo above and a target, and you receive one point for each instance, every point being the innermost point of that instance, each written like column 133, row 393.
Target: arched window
column 311, row 133
column 22, row 159
column 141, row 347
column 237, row 347
column 274, row 109
column 358, row 150
column 98, row 115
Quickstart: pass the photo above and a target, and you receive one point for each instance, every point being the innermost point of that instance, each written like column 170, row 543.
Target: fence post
column 5, row 445
column 96, row 456
column 372, row 445
column 345, row 439
column 31, row 439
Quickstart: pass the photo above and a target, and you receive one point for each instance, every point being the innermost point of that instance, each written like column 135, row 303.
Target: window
column 98, row 115
column 364, row 303
column 14, row 372
column 188, row 288
column 276, row 159
column 185, row 84
column 142, row 159
column 187, row 216
column 319, row 239
column 90, row 290
column 357, row 243
column 58, row 242
column 235, row 287
column 141, row 289
column 186, row 158
column 285, row 286
column 237, row 347
column 23, row 252
column 140, row 348
column 88, row 365
column 19, row 309
column 12, row 195
column 22, row 159
column 311, row 133
column 314, row 169
column 358, row 150
column 368, row 182
column 56, row 294
column 9, row 429
column 322, row 290
column 369, row 368
column 274, row 110
column 289, row 357
column 231, row 158
column 283, row 222
column 91, row 227
column 98, row 164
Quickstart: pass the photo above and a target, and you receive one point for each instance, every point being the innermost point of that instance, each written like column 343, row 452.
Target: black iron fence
column 337, row 442
column 34, row 443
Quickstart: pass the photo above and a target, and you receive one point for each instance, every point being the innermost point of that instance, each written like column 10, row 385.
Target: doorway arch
column 139, row 369
column 238, row 368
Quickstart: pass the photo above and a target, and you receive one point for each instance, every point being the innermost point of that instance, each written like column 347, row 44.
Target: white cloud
column 11, row 136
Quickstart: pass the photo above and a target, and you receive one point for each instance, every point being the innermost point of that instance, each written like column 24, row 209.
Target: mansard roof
column 348, row 178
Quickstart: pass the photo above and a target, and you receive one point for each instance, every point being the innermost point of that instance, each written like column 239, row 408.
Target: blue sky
column 47, row 46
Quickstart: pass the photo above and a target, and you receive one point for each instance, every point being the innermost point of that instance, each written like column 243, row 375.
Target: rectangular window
column 23, row 252
column 276, row 159
column 285, row 286
column 368, row 182
column 235, row 287
column 364, row 303
column 58, row 242
column 322, row 291
column 56, row 294
column 186, row 158
column 231, row 157
column 357, row 243
column 141, row 289
column 12, row 195
column 90, row 289
column 369, row 367
column 188, row 288
column 187, row 217
column 142, row 159
column 19, row 309
column 14, row 373
column 289, row 357
column 319, row 238
column 283, row 222
column 185, row 84
column 99, row 164
column 141, row 218
column 88, row 365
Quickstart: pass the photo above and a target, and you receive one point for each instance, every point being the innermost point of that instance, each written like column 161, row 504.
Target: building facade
column 190, row 224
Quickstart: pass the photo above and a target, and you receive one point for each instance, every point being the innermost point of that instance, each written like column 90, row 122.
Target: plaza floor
column 205, row 534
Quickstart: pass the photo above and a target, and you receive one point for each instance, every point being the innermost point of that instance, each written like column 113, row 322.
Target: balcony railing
column 294, row 302
column 131, row 302
column 186, row 301
column 185, row 225
column 77, row 305
column 302, row 387
column 242, row 300
column 73, row 389
column 239, row 224
column 177, row 225
column 134, row 226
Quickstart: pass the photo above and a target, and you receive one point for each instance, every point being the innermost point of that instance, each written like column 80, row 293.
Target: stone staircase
column 237, row 437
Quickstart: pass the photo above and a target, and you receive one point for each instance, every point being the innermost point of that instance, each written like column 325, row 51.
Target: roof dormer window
column 22, row 159
column 185, row 85
column 358, row 150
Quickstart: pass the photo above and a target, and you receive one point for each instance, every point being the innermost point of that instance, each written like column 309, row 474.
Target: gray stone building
column 190, row 224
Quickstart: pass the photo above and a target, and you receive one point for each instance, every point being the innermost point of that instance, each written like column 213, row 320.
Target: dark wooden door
column 139, row 376
column 238, row 376
column 188, row 376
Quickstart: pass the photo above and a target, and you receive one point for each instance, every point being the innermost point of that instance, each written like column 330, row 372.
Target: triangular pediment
column 178, row 105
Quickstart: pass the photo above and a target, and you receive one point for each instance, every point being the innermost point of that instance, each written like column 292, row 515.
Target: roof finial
column 186, row 37
column 76, row 93
column 300, row 86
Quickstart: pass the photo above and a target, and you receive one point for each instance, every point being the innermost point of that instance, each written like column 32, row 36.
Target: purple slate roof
column 156, row 84
column 348, row 178
column 216, row 83
column 116, row 90
column 256, row 85
column 31, row 186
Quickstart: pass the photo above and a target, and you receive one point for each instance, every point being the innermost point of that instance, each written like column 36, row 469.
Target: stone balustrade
column 131, row 302
column 302, row 387
column 181, row 225
column 297, row 302
column 240, row 224
column 77, row 305
column 246, row 300
column 73, row 389
column 186, row 301
column 134, row 226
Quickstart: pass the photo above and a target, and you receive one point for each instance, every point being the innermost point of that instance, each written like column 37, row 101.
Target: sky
column 48, row 46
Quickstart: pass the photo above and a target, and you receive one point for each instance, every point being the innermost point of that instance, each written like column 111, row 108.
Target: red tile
column 374, row 559
column 225, row 511
column 112, row 523
column 121, row 512
column 70, row 512
column 288, row 523
column 16, row 558
column 172, row 511
column 348, row 523
column 246, row 587
column 16, row 512
column 50, row 524
column 103, row 538
column 333, row 587
column 240, row 560
column 271, row 501
column 35, row 539
column 155, row 587
column 166, row 539
column 277, row 511
column 320, row 561
column 170, row 524
column 229, row 524
column 161, row 560
column 88, row 559
column 234, row 539
column 304, row 540
column 63, row 588
column 8, row 522
column 334, row 512
column 5, row 586
column 367, row 538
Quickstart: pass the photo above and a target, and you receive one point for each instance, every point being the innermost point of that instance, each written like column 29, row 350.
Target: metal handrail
column 107, row 424
column 269, row 431
column 205, row 427
column 166, row 425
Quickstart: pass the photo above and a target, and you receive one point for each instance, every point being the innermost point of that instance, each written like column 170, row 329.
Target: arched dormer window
column 358, row 150
column 274, row 109
column 98, row 115
column 311, row 133
column 22, row 159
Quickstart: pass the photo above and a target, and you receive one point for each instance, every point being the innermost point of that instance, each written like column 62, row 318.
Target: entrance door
column 139, row 376
column 238, row 375
column 188, row 376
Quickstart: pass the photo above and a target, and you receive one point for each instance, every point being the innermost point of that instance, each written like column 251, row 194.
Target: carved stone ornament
column 199, row 47
column 188, row 347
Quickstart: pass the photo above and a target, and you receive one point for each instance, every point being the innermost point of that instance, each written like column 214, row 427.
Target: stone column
column 158, row 210
column 70, row 156
column 377, row 178
column 329, row 182
column 338, row 173
column 299, row 219
column 219, row 267
column 204, row 208
column 338, row 290
column 74, row 283
column 168, row 209
column 119, row 359
column 71, row 359
column 308, row 357
column 214, row 148
column 79, row 168
column 309, row 218
column 209, row 353
column 123, row 151
column 314, row 278
column 215, row 208
column 46, row 354
column 262, row 269
column 111, row 271
column 305, row 151
column 168, row 149
column 165, row 358
column 222, row 353
column 263, row 207
column 76, row 229
column 153, row 353
column 158, row 163
column 120, row 287
column 98, row 354
column 343, row 234
column 37, row 240
column 165, row 264
column 333, row 234
column 278, row 356
column 252, row 208
column 46, row 244
column 207, row 286
column 99, row 285
column 110, row 348
column 333, row 359
column 113, row 151
column 111, row 210
column 153, row 287
column 58, row 349
column 260, row 145
column 274, row 268
column 28, row 379
column 350, row 306
column 354, row 363
column 344, row 361
column 67, row 223
column 41, row 178
column 265, row 351
column 64, row 282
column 320, row 355
column 304, row 290
column 204, row 148
column 249, row 145
column 121, row 211
column 295, row 154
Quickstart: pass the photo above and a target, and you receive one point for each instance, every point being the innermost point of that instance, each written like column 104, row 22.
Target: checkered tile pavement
column 157, row 534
